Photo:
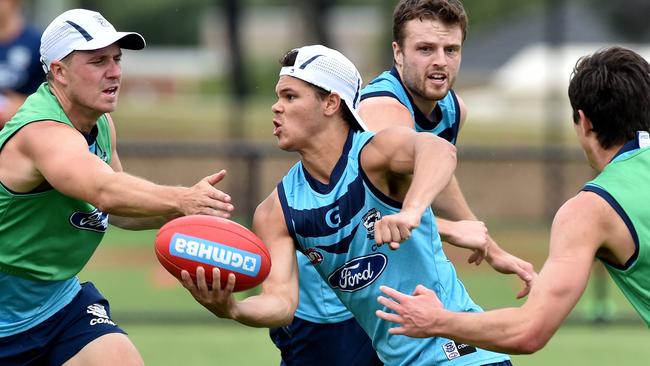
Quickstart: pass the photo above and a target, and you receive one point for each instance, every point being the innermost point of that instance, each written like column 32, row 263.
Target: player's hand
column 394, row 229
column 468, row 234
column 507, row 263
column 416, row 314
column 203, row 198
column 219, row 301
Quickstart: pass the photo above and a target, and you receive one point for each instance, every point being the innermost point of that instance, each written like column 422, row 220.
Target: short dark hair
column 289, row 59
column 612, row 88
column 450, row 12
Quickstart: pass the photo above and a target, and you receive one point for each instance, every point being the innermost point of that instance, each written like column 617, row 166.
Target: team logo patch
column 101, row 20
column 314, row 255
column 101, row 316
column 454, row 350
column 369, row 220
column 358, row 273
column 215, row 254
column 93, row 221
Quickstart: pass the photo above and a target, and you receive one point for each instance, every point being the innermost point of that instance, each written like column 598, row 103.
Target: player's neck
column 324, row 152
column 83, row 119
column 601, row 157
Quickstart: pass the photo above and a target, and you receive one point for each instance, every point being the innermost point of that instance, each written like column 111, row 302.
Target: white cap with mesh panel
column 330, row 70
column 81, row 29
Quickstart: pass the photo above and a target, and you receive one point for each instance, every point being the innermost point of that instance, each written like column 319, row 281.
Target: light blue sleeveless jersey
column 445, row 117
column 318, row 304
column 333, row 225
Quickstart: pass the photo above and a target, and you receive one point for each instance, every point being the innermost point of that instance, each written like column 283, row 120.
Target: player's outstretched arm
column 410, row 167
column 576, row 235
column 60, row 156
column 275, row 305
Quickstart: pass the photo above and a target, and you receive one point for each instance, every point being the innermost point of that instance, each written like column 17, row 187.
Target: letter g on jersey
column 332, row 217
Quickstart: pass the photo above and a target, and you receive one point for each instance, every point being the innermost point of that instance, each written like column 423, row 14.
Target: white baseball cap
column 81, row 29
column 329, row 69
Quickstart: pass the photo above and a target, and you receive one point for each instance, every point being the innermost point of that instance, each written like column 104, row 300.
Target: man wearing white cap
column 353, row 199
column 60, row 179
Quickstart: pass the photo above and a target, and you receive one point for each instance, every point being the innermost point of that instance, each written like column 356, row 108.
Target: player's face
column 297, row 113
column 430, row 57
column 94, row 78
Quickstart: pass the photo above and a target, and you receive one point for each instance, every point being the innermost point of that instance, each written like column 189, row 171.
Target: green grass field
column 170, row 328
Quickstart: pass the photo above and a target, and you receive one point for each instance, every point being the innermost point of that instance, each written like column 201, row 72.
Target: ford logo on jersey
column 215, row 254
column 94, row 221
column 358, row 273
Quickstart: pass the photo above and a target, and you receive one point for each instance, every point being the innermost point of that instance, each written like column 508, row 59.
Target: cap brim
column 126, row 40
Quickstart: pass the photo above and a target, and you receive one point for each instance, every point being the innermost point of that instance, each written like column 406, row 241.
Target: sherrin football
column 187, row 242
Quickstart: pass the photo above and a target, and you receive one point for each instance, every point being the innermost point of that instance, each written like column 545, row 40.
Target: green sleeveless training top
column 625, row 185
column 47, row 235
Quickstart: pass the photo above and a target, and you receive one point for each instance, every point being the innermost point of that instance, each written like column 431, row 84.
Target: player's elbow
column 530, row 341
column 446, row 151
column 105, row 203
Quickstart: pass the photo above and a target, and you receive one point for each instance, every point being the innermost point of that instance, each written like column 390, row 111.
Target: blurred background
column 198, row 99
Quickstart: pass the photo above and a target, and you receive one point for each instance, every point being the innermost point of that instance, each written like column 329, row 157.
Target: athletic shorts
column 64, row 334
column 305, row 343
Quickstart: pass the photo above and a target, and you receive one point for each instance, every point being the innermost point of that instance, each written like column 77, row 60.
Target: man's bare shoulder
column 382, row 112
column 586, row 221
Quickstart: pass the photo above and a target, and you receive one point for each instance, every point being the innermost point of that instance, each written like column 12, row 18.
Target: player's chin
column 437, row 93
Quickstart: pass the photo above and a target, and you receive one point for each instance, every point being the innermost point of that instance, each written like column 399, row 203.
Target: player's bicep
column 61, row 155
column 565, row 274
column 383, row 112
column 269, row 225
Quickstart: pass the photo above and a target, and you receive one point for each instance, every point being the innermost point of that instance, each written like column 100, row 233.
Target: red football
column 199, row 240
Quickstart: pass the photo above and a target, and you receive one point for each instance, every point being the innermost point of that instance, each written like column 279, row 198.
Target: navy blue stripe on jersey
column 342, row 246
column 323, row 188
column 380, row 94
column 456, row 125
column 285, row 210
column 626, row 219
column 329, row 219
column 80, row 29
column 629, row 146
column 379, row 194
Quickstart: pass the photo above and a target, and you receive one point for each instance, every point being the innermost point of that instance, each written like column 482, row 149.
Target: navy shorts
column 54, row 341
column 304, row 343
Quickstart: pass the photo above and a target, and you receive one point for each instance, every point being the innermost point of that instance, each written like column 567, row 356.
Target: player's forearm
column 445, row 229
column 504, row 330
column 264, row 311
column 137, row 223
column 435, row 161
column 126, row 195
column 451, row 204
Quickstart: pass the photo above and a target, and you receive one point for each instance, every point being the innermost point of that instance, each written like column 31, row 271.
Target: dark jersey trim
column 626, row 219
column 285, row 212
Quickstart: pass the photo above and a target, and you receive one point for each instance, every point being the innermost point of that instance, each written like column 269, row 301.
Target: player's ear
column 333, row 103
column 584, row 122
column 57, row 68
column 397, row 54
